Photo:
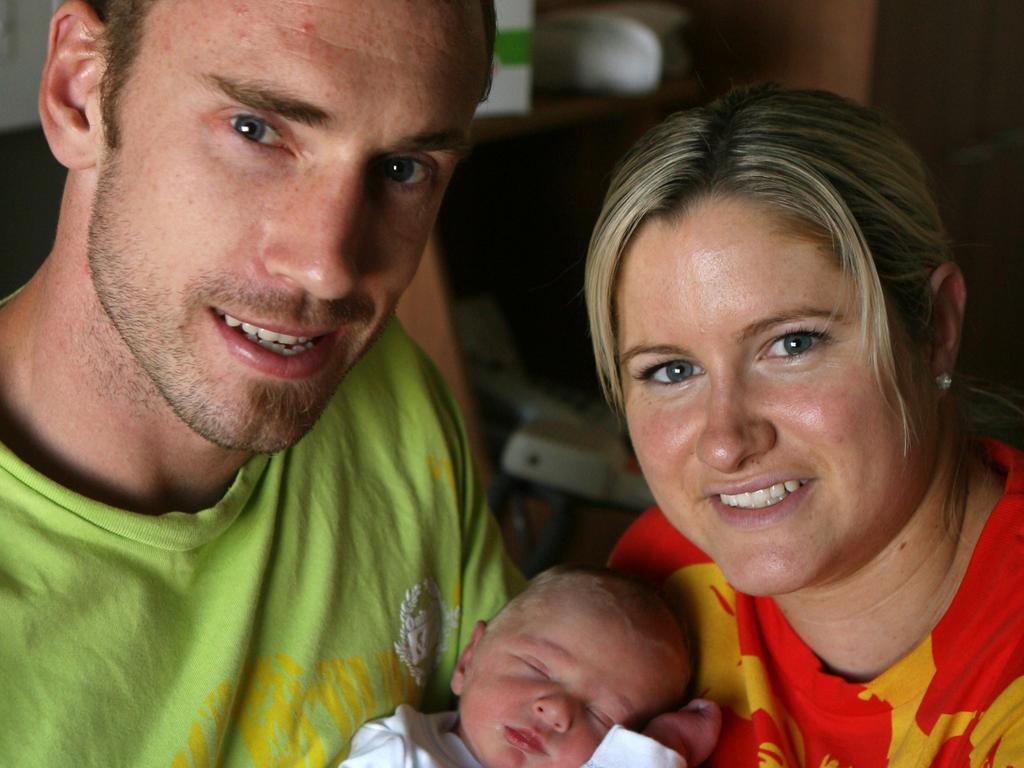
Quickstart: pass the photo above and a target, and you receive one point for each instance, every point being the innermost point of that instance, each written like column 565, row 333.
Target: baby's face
column 544, row 691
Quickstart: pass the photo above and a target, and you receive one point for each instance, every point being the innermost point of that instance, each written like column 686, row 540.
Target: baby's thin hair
column 641, row 605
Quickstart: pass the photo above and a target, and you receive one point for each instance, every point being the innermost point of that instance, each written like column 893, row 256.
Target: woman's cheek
column 662, row 437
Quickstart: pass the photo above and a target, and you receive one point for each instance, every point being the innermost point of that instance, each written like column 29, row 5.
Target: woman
column 775, row 312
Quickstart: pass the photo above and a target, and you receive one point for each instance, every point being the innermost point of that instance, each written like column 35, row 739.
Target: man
column 213, row 554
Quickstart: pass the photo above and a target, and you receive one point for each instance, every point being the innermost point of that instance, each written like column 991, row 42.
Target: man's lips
column 282, row 343
column 525, row 739
column 276, row 355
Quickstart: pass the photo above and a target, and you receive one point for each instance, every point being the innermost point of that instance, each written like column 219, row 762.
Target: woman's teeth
column 764, row 497
column 279, row 343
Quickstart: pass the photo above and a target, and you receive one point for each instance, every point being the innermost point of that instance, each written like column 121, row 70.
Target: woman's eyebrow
column 754, row 329
column 652, row 349
column 795, row 315
column 265, row 98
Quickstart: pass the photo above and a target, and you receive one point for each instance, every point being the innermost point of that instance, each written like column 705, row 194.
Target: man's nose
column 315, row 241
column 556, row 711
column 735, row 430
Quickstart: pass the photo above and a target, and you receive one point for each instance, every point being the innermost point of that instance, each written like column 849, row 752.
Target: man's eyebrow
column 264, row 98
column 450, row 141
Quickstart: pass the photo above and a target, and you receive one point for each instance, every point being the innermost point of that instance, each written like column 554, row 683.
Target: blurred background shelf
column 555, row 111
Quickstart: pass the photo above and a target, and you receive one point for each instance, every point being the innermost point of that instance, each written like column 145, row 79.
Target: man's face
column 280, row 165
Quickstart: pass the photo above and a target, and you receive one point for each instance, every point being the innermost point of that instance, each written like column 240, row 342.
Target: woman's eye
column 793, row 344
column 254, row 129
column 405, row 170
column 674, row 372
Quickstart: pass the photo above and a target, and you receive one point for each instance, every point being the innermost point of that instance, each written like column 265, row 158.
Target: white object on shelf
column 668, row 21
column 622, row 48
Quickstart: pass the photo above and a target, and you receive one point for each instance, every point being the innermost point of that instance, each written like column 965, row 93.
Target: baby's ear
column 459, row 677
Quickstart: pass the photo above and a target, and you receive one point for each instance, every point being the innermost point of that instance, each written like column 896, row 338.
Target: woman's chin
column 767, row 573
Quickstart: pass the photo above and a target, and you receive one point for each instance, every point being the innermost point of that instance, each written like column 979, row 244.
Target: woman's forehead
column 722, row 243
column 724, row 272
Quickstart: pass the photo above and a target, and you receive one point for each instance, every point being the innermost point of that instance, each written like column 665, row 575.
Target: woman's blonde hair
column 835, row 171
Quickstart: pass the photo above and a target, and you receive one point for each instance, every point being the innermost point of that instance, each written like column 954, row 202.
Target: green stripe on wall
column 512, row 47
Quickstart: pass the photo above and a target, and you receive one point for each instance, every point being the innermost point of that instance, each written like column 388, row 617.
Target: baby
column 563, row 677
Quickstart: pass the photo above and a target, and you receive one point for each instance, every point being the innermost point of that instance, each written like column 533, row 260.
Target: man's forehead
column 330, row 50
column 405, row 34
column 438, row 23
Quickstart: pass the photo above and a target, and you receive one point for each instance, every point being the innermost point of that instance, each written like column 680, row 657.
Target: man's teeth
column 281, row 343
column 764, row 497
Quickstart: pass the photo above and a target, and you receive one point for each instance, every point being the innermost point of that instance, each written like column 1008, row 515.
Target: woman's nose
column 734, row 430
column 555, row 711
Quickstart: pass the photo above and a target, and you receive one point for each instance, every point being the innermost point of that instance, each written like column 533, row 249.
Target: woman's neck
column 861, row 626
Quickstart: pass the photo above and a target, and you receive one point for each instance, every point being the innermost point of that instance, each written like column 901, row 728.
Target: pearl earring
column 944, row 381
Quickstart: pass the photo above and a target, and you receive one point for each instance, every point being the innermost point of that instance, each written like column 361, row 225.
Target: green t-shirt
column 332, row 582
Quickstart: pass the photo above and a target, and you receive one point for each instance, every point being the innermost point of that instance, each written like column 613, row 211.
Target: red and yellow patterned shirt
column 955, row 700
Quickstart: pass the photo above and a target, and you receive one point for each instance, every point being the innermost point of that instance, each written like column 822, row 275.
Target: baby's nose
column 555, row 711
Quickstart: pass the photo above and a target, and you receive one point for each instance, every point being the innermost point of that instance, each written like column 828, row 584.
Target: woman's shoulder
column 653, row 549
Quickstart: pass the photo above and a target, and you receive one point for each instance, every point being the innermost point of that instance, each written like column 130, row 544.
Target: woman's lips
column 761, row 517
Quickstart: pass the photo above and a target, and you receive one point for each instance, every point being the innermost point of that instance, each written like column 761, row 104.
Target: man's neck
column 75, row 405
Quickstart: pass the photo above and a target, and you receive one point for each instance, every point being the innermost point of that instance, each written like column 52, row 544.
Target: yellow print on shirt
column 725, row 674
column 913, row 744
column 442, row 469
column 998, row 738
column 281, row 705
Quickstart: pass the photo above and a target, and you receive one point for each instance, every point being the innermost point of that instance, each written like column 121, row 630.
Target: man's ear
column 459, row 677
column 69, row 92
column 949, row 298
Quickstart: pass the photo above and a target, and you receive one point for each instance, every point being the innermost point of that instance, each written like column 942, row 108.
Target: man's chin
column 268, row 420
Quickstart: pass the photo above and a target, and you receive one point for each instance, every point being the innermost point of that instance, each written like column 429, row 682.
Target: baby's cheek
column 584, row 746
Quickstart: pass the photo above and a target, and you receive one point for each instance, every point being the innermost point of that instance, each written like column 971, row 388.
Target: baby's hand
column 692, row 731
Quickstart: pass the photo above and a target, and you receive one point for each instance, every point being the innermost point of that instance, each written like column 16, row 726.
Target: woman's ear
column 949, row 297
column 69, row 92
column 459, row 676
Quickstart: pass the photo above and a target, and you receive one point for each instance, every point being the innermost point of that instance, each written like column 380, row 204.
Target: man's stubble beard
column 160, row 369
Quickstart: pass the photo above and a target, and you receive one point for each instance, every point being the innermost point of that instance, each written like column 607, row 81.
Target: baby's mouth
column 278, row 343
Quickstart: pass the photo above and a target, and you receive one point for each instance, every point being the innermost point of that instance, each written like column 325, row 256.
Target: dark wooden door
column 952, row 73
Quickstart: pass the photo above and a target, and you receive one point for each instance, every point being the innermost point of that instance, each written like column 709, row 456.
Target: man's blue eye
column 253, row 128
column 673, row 373
column 404, row 170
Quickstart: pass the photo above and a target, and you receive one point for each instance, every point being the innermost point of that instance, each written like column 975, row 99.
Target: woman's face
column 752, row 405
